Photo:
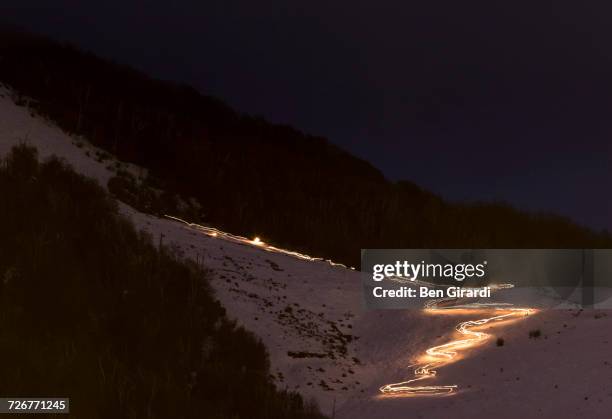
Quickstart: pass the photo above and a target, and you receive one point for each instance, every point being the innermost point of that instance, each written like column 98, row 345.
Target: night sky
column 481, row 100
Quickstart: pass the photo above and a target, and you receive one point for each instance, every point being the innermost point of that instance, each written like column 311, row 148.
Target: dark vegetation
column 90, row 309
column 252, row 177
column 140, row 194
column 536, row 333
column 304, row 354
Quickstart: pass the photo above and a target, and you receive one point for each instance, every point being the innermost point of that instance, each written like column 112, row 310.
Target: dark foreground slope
column 252, row 177
column 92, row 310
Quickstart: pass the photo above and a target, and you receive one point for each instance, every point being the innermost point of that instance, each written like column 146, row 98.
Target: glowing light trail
column 445, row 354
column 437, row 356
column 257, row 242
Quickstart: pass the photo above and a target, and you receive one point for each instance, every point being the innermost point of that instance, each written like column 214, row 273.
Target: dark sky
column 489, row 100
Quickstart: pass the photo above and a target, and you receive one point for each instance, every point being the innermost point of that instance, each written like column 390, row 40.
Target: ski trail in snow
column 438, row 356
column 257, row 242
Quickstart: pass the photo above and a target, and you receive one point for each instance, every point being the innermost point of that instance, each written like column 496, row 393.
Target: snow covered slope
column 323, row 344
column 564, row 373
column 303, row 311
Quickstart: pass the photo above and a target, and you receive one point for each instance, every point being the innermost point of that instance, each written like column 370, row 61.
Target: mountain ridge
column 254, row 178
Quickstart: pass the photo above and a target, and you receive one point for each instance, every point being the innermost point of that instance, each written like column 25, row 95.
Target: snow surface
column 300, row 306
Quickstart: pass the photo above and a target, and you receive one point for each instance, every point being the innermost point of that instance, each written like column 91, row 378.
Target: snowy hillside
column 323, row 344
column 303, row 311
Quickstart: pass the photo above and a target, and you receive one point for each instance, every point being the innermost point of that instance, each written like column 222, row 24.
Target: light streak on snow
column 256, row 241
column 438, row 356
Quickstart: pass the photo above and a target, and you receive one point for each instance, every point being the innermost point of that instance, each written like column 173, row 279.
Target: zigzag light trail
column 437, row 356
column 441, row 355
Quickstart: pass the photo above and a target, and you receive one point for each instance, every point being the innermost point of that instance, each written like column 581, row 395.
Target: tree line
column 252, row 177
